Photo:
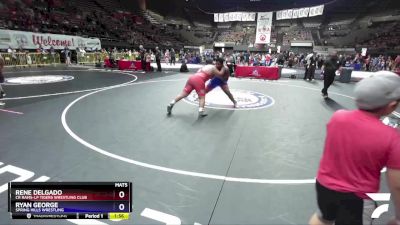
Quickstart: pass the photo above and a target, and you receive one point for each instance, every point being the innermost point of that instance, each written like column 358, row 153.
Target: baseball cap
column 377, row 91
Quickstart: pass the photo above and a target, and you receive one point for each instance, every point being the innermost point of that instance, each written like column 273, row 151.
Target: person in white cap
column 357, row 147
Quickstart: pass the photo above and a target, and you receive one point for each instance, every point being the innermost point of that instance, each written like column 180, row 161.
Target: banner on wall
column 234, row 16
column 364, row 51
column 290, row 13
column 316, row 10
column 300, row 13
column 220, row 17
column 239, row 16
column 279, row 15
column 226, row 17
column 320, row 10
column 295, row 14
column 253, row 16
column 264, row 23
column 30, row 40
column 231, row 16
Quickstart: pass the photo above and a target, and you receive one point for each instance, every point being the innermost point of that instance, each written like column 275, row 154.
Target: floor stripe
column 10, row 111
column 177, row 171
column 161, row 168
column 72, row 92
column 42, row 179
column 41, row 71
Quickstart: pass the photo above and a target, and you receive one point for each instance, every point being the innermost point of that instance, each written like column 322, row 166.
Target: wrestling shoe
column 2, row 103
column 202, row 114
column 2, row 94
column 234, row 104
column 169, row 109
column 325, row 96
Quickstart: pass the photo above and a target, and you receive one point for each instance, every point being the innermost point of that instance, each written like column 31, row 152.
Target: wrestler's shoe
column 2, row 94
column 169, row 109
column 234, row 104
column 2, row 103
column 202, row 114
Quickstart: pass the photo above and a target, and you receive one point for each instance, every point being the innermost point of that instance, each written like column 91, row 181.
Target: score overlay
column 70, row 200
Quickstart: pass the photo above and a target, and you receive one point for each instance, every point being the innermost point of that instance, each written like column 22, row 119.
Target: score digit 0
column 121, row 194
column 121, row 207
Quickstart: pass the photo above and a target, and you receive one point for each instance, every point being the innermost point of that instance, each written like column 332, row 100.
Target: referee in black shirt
column 158, row 59
column 329, row 68
column 143, row 57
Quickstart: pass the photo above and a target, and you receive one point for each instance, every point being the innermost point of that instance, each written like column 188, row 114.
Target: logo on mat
column 217, row 99
column 38, row 79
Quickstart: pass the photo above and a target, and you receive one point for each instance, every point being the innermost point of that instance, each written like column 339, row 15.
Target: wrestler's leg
column 225, row 88
column 186, row 91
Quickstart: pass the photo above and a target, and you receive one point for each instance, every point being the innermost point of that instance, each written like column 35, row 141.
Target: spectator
column 158, row 59
column 363, row 145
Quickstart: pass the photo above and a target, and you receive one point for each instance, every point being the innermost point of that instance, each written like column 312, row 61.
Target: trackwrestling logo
column 246, row 100
column 37, row 79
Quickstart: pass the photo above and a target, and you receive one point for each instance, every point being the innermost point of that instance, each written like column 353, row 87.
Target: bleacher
column 295, row 33
column 104, row 19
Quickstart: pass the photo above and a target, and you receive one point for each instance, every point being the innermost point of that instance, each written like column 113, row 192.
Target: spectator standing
column 13, row 54
column 167, row 56
column 142, row 57
column 329, row 68
column 368, row 63
column 67, row 54
column 173, row 57
column 52, row 54
column 363, row 145
column 158, row 59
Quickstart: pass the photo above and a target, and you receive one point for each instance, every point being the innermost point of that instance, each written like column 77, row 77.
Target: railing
column 30, row 59
column 93, row 58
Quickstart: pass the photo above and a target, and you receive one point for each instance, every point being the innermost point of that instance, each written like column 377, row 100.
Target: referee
column 330, row 66
column 357, row 147
column 142, row 57
column 158, row 59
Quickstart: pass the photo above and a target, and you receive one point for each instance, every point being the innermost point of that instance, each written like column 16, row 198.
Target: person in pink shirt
column 357, row 147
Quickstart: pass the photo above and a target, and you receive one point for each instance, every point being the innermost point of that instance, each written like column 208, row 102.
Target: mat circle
column 246, row 100
column 44, row 79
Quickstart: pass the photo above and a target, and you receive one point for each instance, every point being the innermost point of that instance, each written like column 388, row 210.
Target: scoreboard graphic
column 70, row 200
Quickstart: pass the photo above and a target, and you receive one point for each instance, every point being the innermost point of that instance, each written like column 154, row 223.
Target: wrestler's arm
column 226, row 75
column 219, row 73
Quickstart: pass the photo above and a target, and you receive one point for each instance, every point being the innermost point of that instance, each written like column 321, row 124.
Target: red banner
column 127, row 65
column 258, row 72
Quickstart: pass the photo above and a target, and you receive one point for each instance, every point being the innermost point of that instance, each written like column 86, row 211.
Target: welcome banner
column 30, row 40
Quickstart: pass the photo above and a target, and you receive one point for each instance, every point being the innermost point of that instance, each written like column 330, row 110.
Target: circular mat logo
column 38, row 79
column 246, row 100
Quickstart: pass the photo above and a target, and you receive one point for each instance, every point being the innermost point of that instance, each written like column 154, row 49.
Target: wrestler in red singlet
column 198, row 83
